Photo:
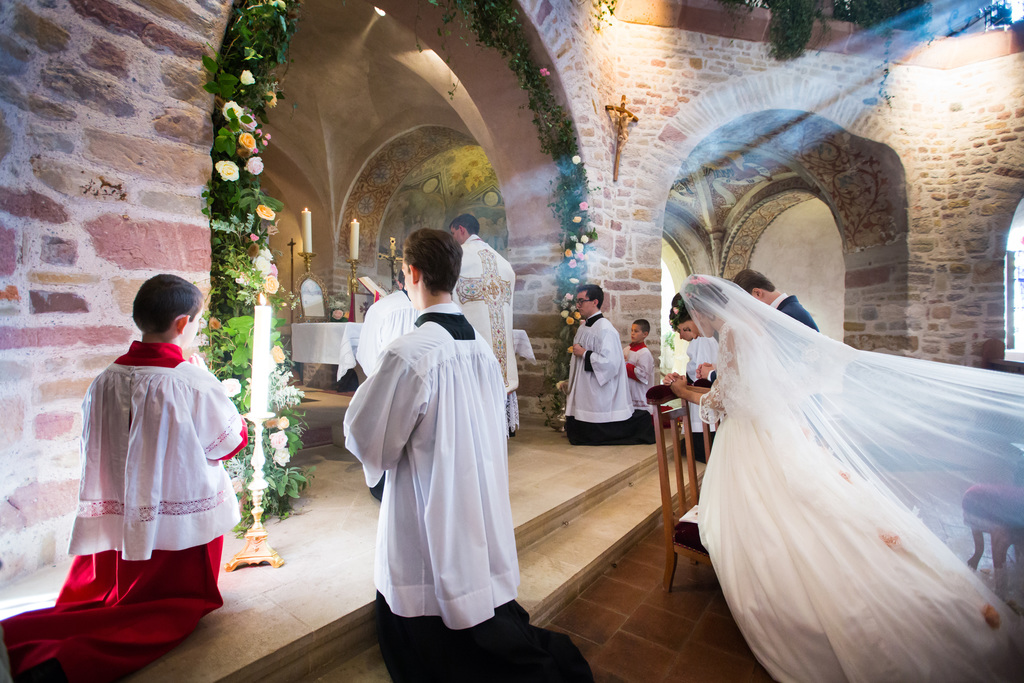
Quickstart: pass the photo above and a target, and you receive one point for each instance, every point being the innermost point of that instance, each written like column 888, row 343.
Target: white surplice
column 150, row 477
column 484, row 292
column 599, row 394
column 385, row 321
column 433, row 417
column 642, row 361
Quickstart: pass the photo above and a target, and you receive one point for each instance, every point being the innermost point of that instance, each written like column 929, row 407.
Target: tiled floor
column 631, row 630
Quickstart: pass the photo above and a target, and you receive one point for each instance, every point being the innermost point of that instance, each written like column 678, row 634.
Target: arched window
column 1015, row 284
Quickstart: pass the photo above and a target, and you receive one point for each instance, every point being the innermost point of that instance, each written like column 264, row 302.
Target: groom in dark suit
column 762, row 289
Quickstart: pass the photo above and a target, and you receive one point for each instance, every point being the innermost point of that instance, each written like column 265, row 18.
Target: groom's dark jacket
column 794, row 309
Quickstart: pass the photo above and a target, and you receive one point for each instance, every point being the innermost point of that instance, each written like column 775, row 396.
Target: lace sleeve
column 712, row 404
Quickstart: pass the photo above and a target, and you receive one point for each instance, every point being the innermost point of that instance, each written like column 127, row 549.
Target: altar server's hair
column 643, row 324
column 594, row 293
column 161, row 299
column 438, row 257
column 467, row 221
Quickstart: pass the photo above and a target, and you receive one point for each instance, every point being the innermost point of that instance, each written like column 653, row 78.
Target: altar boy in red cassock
column 154, row 503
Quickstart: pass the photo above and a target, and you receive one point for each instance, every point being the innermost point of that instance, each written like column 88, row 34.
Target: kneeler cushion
column 688, row 536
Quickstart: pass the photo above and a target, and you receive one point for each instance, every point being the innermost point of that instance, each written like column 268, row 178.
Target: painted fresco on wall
column 456, row 181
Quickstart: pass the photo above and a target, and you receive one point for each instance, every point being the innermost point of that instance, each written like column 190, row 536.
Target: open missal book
column 373, row 288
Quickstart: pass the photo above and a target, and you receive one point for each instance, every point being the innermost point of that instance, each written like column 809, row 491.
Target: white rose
column 576, row 159
column 228, row 170
column 265, row 253
column 279, row 440
column 565, row 314
column 579, row 247
column 232, row 106
column 232, row 387
column 282, row 457
column 246, row 78
column 263, row 265
column 584, row 239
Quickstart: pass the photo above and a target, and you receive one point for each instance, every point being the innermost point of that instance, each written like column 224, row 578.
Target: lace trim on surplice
column 147, row 513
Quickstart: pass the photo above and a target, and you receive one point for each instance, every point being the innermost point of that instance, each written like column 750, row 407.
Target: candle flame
column 263, row 299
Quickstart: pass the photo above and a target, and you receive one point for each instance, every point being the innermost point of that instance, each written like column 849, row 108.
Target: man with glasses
column 598, row 410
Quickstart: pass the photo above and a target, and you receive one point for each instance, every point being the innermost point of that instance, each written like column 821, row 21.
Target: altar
column 327, row 343
column 336, row 344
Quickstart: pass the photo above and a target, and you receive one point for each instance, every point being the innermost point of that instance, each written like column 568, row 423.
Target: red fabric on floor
column 114, row 617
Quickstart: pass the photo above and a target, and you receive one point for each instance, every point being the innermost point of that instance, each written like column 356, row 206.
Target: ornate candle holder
column 256, row 550
column 353, row 283
column 307, row 256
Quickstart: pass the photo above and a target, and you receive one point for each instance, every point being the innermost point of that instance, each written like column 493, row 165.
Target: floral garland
column 242, row 219
column 498, row 24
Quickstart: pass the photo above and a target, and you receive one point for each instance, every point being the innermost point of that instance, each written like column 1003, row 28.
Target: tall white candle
column 260, row 358
column 307, row 231
column 353, row 240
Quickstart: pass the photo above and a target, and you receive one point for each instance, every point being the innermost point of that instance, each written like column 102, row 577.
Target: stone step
column 558, row 565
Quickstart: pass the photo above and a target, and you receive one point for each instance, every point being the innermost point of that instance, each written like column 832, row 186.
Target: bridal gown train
column 828, row 578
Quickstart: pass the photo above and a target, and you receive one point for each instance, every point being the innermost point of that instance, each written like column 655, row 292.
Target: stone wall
column 104, row 150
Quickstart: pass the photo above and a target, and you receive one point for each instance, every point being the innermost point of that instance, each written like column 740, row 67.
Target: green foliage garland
column 791, row 22
column 498, row 24
column 242, row 218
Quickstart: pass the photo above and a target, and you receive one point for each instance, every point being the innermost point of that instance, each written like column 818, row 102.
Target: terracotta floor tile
column 722, row 633
column 634, row 659
column 700, row 664
column 760, row 675
column 660, row 627
column 615, row 595
column 590, row 620
column 588, row 648
column 636, row 574
column 602, row 676
column 720, row 606
column 686, row 602
column 650, row 551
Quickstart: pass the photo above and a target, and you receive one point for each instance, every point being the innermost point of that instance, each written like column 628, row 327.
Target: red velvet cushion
column 687, row 536
column 659, row 392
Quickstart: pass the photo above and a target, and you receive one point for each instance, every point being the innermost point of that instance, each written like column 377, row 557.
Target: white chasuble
column 151, row 440
column 598, row 394
column 386, row 321
column 433, row 417
column 484, row 292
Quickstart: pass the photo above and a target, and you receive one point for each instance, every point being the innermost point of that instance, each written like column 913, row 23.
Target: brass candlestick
column 256, row 550
column 353, row 282
column 307, row 256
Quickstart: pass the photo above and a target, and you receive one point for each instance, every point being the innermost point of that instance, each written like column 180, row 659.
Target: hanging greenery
column 791, row 22
column 242, row 218
column 498, row 24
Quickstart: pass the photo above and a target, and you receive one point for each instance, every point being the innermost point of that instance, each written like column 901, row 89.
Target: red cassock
column 115, row 616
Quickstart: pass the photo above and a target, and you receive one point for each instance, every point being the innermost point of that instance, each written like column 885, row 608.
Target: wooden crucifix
column 392, row 261
column 622, row 117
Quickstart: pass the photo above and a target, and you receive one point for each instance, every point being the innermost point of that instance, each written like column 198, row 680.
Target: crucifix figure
column 392, row 260
column 623, row 117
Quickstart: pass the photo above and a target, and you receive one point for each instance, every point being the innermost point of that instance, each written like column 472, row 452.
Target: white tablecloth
column 336, row 343
column 331, row 343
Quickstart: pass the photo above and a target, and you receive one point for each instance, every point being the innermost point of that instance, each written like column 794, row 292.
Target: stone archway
column 746, row 173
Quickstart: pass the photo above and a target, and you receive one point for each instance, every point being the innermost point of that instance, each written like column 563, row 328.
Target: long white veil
column 922, row 432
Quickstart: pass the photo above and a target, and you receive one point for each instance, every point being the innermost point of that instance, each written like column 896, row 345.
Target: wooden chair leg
column 670, row 569
column 979, row 548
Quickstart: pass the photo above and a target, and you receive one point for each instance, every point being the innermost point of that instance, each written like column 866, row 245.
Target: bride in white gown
column 832, row 472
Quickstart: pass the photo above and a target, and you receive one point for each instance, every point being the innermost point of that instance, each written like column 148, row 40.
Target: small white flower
column 246, row 78
column 279, row 440
column 263, row 265
column 576, row 159
column 282, row 457
column 232, row 387
column 232, row 106
column 579, row 248
column 584, row 239
column 573, row 280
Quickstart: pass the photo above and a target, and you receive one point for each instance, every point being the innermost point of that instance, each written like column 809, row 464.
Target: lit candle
column 307, row 231
column 260, row 358
column 353, row 240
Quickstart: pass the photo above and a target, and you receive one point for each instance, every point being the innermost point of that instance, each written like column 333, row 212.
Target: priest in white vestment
column 598, row 408
column 484, row 292
column 446, row 567
column 385, row 321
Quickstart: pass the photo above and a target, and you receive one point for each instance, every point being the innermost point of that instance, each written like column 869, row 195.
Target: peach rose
column 282, row 422
column 247, row 141
column 271, row 285
column 265, row 212
column 277, row 353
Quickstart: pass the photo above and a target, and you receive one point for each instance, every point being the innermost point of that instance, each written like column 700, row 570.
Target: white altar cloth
column 331, row 343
